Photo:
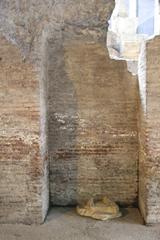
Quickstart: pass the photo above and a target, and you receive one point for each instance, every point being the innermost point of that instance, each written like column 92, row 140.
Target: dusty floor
column 63, row 223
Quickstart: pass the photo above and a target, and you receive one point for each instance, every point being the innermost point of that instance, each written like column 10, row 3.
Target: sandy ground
column 63, row 223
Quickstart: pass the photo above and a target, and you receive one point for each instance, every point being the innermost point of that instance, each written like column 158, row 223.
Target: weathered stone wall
column 23, row 197
column 91, row 109
column 93, row 144
column 24, row 21
column 142, row 128
column 149, row 173
column 24, row 185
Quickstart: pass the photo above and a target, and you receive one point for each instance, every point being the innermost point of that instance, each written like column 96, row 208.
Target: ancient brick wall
column 92, row 105
column 142, row 129
column 22, row 181
column 149, row 173
column 25, row 24
column 93, row 146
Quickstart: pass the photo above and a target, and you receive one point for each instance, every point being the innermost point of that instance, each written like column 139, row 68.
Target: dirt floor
column 63, row 223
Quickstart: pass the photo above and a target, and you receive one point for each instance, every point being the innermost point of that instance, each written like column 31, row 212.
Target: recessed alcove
column 92, row 121
column 75, row 123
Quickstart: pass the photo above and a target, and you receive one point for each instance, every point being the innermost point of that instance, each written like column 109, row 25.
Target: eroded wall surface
column 91, row 109
column 93, row 144
column 21, row 166
column 149, row 172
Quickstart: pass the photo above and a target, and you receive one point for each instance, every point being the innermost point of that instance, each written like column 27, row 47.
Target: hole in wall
column 132, row 23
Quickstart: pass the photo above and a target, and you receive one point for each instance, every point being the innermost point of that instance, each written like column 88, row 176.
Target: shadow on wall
column 92, row 125
column 62, row 127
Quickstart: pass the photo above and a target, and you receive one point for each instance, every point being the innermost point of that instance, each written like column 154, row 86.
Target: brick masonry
column 93, row 143
column 21, row 166
column 149, row 173
column 59, row 63
column 24, row 184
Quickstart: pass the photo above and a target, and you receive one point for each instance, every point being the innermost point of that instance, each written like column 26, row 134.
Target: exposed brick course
column 149, row 173
column 58, row 72
column 93, row 144
column 21, row 165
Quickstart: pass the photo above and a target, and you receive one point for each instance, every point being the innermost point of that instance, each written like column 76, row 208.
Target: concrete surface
column 63, row 223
